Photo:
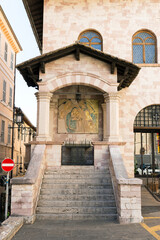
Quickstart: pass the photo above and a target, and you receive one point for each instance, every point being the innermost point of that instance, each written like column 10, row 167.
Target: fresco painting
column 77, row 116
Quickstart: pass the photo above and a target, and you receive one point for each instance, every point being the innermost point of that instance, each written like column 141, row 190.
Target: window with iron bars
column 148, row 117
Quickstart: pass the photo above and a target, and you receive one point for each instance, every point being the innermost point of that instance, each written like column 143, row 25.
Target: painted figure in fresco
column 79, row 117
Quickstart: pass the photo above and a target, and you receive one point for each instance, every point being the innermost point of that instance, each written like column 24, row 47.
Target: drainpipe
column 13, row 123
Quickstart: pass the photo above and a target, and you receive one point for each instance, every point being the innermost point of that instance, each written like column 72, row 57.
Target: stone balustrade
column 127, row 190
column 25, row 190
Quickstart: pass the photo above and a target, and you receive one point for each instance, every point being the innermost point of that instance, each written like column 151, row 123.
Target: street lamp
column 19, row 117
column 19, row 120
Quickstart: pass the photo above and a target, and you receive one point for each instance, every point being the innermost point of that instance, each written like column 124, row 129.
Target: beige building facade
column 98, row 70
column 23, row 134
column 9, row 47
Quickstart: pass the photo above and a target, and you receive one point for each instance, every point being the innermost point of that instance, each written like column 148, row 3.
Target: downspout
column 13, row 123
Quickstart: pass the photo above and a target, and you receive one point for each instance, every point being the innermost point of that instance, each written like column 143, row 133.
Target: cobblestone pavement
column 97, row 230
column 75, row 230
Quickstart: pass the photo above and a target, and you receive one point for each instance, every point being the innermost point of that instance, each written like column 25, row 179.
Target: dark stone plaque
column 77, row 155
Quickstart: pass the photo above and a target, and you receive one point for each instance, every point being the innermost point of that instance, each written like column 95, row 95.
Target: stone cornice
column 44, row 143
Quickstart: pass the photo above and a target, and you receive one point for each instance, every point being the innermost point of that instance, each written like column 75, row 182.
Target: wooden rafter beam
column 113, row 66
column 77, row 54
column 30, row 71
column 126, row 71
column 42, row 67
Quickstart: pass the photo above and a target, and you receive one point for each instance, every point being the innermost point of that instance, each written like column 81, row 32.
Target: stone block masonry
column 25, row 190
column 127, row 190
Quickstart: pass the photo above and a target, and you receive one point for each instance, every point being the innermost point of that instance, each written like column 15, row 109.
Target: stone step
column 80, row 181
column 75, row 186
column 62, row 197
column 77, row 210
column 105, row 217
column 76, row 175
column 77, row 191
column 65, row 203
column 71, row 167
column 76, row 171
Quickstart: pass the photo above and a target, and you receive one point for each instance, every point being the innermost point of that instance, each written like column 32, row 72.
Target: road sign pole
column 6, row 203
column 7, row 166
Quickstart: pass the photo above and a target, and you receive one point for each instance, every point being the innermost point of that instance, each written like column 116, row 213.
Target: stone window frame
column 89, row 43
column 153, row 36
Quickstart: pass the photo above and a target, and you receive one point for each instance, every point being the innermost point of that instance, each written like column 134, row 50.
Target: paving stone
column 82, row 230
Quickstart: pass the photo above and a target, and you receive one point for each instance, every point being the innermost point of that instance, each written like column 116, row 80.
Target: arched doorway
column 77, row 121
column 147, row 141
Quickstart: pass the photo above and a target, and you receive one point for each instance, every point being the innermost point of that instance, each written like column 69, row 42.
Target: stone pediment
column 126, row 71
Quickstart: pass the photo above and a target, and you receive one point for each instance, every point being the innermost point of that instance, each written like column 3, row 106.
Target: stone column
column 53, row 117
column 104, row 121
column 112, row 117
column 43, row 116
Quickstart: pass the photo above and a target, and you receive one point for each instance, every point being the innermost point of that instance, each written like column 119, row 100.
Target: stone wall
column 25, row 190
column 127, row 190
column 116, row 20
column 101, row 155
column 142, row 93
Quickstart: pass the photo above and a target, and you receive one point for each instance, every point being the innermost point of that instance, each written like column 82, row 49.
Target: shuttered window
column 4, row 91
column 6, row 52
column 11, row 65
column 9, row 133
column 10, row 97
column 2, row 130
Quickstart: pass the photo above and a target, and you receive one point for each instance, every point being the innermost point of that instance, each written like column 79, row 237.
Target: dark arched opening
column 147, row 143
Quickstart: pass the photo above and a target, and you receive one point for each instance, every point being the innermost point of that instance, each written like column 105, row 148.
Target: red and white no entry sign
column 7, row 165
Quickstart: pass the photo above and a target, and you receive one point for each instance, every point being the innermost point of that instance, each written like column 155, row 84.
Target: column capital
column 111, row 96
column 43, row 95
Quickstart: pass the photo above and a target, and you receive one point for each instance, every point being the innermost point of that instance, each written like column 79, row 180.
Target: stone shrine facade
column 98, row 69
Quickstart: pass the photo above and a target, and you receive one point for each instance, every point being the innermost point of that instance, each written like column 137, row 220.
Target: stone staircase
column 76, row 193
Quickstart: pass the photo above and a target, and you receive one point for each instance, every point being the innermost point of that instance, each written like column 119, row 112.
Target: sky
column 16, row 14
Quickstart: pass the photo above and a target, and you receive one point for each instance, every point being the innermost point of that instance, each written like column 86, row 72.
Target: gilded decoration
column 77, row 116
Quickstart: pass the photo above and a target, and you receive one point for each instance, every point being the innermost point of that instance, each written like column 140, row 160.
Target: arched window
column 91, row 38
column 144, row 47
column 148, row 117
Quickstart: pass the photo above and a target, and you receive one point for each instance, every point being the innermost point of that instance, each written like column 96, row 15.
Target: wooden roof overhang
column 34, row 9
column 126, row 71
